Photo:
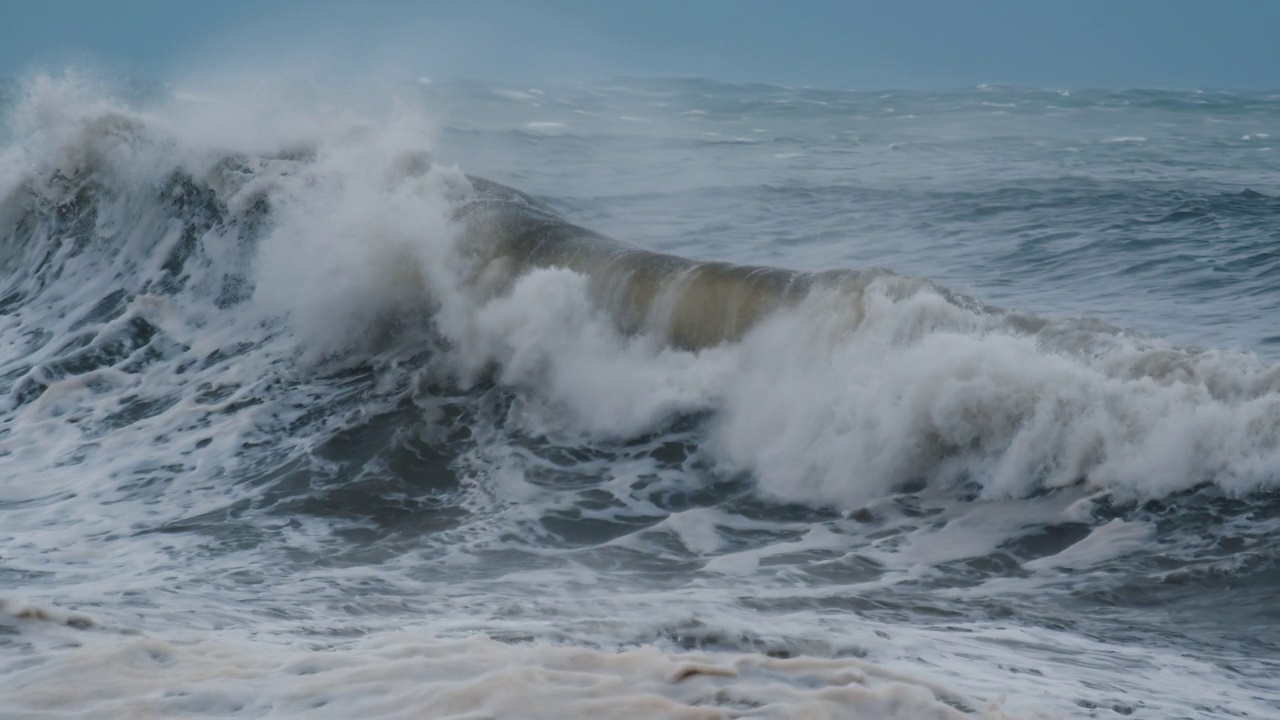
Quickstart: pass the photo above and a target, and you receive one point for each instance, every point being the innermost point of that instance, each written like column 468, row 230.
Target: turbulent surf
column 302, row 413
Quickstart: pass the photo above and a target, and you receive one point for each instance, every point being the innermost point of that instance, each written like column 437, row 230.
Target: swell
column 692, row 304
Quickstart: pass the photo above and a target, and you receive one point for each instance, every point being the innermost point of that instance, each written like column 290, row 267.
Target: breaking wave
column 150, row 265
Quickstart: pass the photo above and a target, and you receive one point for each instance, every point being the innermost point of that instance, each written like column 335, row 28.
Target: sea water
column 273, row 443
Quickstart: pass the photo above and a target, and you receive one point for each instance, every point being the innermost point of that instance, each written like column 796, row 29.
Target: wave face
column 276, row 378
column 897, row 376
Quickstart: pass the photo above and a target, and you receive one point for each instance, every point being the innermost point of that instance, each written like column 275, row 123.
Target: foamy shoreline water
column 125, row 674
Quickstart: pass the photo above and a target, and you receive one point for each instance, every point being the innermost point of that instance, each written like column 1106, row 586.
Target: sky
column 827, row 43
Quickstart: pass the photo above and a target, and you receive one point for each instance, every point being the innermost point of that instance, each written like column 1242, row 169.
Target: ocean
column 647, row 398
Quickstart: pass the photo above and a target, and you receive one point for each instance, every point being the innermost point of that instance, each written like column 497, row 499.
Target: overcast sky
column 837, row 43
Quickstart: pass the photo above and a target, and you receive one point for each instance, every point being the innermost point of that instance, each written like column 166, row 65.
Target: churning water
column 883, row 404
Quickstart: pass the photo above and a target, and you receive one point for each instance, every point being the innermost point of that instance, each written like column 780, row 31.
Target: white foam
column 405, row 674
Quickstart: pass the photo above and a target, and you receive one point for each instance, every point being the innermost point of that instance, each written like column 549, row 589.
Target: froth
column 408, row 675
column 929, row 392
